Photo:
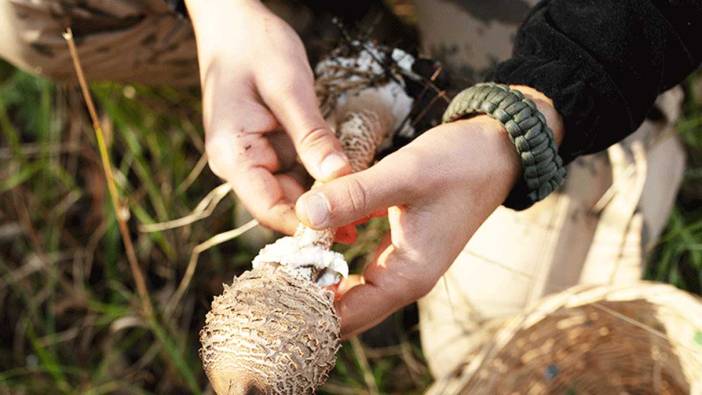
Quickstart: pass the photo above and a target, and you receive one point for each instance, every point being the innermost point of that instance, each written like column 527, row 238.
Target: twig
column 36, row 150
column 194, row 173
column 649, row 329
column 121, row 211
column 203, row 210
column 365, row 366
column 200, row 248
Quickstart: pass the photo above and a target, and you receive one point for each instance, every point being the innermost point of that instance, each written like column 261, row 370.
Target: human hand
column 437, row 190
column 259, row 108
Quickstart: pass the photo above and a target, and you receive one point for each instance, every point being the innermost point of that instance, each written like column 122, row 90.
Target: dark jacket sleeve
column 603, row 62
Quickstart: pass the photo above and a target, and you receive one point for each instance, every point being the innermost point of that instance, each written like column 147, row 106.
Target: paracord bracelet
column 542, row 167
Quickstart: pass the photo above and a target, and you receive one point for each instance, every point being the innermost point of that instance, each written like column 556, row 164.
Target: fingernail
column 316, row 209
column 332, row 165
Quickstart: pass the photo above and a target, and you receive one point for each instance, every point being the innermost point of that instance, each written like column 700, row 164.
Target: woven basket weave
column 642, row 339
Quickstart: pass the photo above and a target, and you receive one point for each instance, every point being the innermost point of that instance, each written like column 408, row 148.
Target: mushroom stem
column 360, row 133
column 308, row 253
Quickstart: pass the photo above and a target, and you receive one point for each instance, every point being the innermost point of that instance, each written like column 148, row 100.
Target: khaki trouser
column 596, row 229
column 119, row 40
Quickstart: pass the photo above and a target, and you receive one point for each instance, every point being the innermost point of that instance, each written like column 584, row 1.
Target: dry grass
column 67, row 299
column 73, row 315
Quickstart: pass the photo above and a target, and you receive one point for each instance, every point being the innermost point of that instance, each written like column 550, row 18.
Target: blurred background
column 69, row 319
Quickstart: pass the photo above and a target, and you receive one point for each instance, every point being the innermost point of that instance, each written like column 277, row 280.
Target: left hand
column 437, row 191
column 259, row 108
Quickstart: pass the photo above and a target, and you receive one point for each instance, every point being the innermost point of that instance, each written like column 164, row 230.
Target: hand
column 260, row 110
column 437, row 190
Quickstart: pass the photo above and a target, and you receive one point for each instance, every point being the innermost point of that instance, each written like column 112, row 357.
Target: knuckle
column 215, row 166
column 357, row 196
column 272, row 217
column 316, row 137
column 264, row 218
column 218, row 158
column 265, row 221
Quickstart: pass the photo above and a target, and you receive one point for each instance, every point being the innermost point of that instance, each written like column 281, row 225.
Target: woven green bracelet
column 543, row 170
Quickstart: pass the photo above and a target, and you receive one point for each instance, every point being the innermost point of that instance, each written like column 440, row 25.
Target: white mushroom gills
column 275, row 330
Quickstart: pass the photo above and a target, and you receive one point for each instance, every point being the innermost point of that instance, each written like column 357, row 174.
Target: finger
column 350, row 198
column 228, row 151
column 347, row 284
column 392, row 282
column 301, row 179
column 346, row 234
column 231, row 105
column 291, row 186
column 354, row 279
column 285, row 150
column 375, row 214
column 264, row 197
column 292, row 100
column 419, row 251
column 235, row 126
column 246, row 163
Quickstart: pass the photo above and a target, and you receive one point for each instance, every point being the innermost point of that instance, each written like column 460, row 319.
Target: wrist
column 503, row 161
column 509, row 167
column 529, row 130
column 225, row 29
column 200, row 6
column 211, row 15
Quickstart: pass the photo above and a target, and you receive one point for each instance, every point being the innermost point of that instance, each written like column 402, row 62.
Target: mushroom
column 274, row 329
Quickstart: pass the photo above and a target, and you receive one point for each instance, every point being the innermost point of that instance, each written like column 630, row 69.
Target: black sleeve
column 603, row 62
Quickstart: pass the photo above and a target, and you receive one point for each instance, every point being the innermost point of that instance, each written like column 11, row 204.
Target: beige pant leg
column 469, row 36
column 594, row 230
column 648, row 168
column 118, row 40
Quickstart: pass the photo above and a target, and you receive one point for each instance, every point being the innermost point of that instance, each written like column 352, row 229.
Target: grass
column 67, row 301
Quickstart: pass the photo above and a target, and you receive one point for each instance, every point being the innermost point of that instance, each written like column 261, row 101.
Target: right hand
column 437, row 191
column 260, row 110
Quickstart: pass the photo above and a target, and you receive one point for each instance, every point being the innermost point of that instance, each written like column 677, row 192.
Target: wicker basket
column 642, row 339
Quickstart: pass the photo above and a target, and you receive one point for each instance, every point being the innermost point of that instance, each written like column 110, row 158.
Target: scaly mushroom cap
column 270, row 332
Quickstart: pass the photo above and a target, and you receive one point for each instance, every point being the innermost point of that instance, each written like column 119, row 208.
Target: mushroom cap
column 270, row 332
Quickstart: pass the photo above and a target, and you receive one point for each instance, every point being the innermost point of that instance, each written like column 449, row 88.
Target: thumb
column 346, row 199
column 294, row 104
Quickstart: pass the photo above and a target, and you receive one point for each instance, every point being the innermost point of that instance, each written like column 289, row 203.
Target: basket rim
column 687, row 306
